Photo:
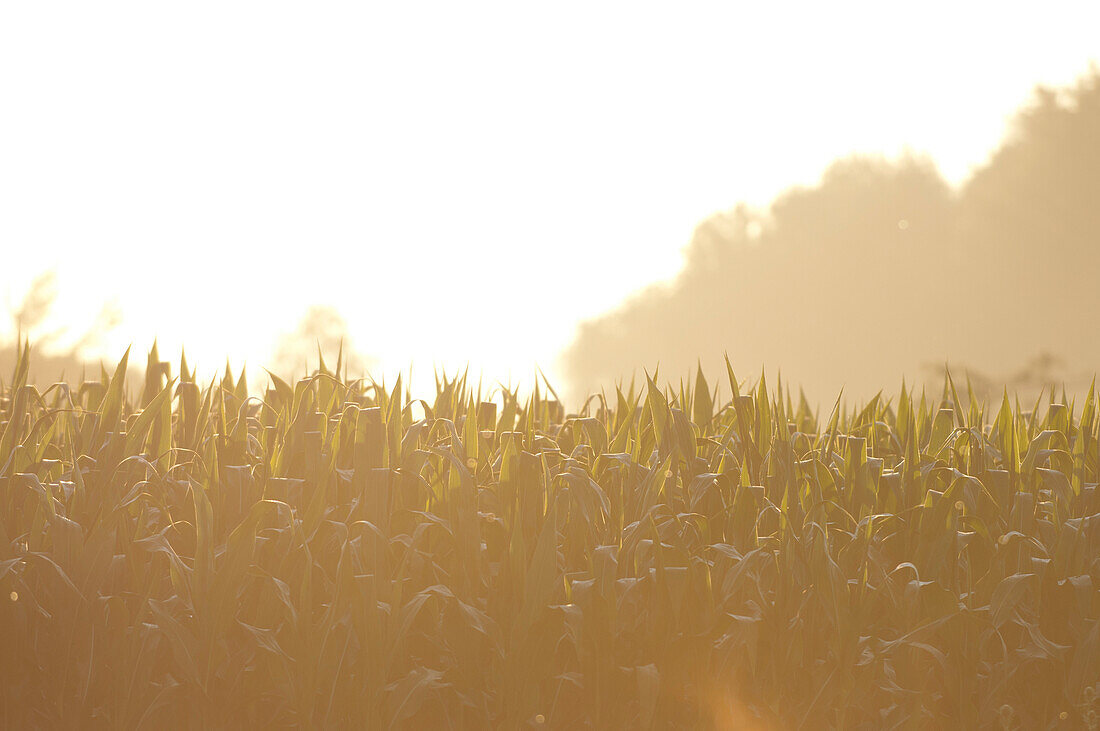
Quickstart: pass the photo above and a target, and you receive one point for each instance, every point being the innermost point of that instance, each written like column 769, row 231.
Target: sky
column 464, row 182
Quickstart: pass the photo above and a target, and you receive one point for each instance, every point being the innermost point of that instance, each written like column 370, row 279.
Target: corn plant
column 334, row 553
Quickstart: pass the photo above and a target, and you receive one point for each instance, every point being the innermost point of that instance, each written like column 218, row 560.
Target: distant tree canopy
column 883, row 268
column 57, row 354
column 322, row 333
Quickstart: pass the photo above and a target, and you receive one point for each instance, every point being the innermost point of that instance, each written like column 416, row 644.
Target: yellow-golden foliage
column 336, row 554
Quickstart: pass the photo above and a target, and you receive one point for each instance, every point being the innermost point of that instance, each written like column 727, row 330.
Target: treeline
column 883, row 268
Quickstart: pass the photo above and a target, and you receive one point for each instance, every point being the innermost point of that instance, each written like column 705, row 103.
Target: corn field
column 335, row 553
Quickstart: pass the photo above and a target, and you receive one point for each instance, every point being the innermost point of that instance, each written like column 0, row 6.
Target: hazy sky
column 464, row 181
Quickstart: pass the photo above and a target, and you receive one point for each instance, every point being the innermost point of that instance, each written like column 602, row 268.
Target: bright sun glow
column 430, row 170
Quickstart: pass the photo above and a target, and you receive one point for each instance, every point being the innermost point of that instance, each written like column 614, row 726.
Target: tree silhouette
column 882, row 267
